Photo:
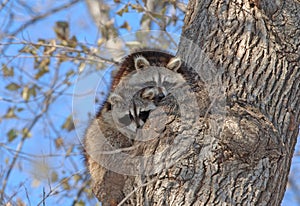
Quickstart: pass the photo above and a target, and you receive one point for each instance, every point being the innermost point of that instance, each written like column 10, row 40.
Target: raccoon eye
column 149, row 93
column 168, row 84
column 126, row 119
column 144, row 115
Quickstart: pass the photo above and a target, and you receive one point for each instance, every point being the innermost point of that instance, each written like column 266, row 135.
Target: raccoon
column 141, row 92
column 145, row 82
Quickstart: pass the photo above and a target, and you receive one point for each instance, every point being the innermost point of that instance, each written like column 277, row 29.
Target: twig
column 12, row 164
column 85, row 185
column 46, row 102
column 35, row 19
column 70, row 49
column 3, row 4
column 52, row 190
column 27, row 196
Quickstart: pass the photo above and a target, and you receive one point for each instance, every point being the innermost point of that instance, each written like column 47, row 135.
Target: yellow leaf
column 80, row 203
column 126, row 26
column 32, row 91
column 69, row 151
column 26, row 133
column 81, row 67
column 54, row 177
column 10, row 113
column 12, row 134
column 12, row 87
column 137, row 7
column 68, row 124
column 77, row 177
column 123, row 10
column 59, row 142
column 35, row 183
column 7, row 72
column 65, row 184
column 25, row 93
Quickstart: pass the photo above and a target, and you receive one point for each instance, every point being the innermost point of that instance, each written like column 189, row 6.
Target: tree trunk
column 242, row 154
column 245, row 160
column 257, row 44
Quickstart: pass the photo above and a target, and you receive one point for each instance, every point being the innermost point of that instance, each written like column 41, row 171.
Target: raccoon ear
column 174, row 64
column 140, row 62
column 114, row 98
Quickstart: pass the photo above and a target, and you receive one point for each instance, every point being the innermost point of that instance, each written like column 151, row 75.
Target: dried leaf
column 12, row 86
column 41, row 72
column 126, row 26
column 44, row 63
column 12, row 134
column 32, row 91
column 62, row 30
column 26, row 133
column 59, row 142
column 80, row 203
column 68, row 124
column 35, row 183
column 20, row 202
column 10, row 113
column 25, row 93
column 72, row 42
column 100, row 41
column 137, row 7
column 54, row 176
column 81, row 67
column 69, row 150
column 20, row 109
column 123, row 10
column 65, row 183
column 76, row 178
column 7, row 72
column 25, row 49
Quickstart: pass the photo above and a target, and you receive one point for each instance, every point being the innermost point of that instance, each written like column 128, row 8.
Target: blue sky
column 40, row 158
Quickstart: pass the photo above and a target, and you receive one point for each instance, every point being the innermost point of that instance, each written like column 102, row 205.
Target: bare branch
column 40, row 17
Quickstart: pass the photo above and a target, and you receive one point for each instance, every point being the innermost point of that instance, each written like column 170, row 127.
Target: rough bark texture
column 257, row 43
column 244, row 157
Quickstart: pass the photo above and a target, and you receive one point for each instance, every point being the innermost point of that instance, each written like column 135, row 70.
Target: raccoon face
column 141, row 92
column 131, row 114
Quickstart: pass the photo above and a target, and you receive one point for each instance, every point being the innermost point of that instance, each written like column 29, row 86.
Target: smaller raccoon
column 140, row 93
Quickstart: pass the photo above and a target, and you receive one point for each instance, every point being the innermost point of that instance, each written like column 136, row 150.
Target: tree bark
column 257, row 44
column 244, row 156
column 246, row 160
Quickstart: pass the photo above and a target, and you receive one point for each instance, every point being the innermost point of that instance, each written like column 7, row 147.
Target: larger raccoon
column 141, row 92
column 130, row 114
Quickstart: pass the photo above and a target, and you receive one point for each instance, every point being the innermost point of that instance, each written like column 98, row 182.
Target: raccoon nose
column 160, row 96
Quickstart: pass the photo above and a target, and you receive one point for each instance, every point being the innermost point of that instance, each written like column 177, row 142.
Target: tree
column 246, row 159
column 45, row 45
column 253, row 47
